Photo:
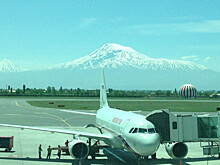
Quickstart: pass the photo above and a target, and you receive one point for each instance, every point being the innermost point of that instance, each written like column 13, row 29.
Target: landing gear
column 154, row 156
column 93, row 149
column 8, row 149
column 142, row 159
column 92, row 153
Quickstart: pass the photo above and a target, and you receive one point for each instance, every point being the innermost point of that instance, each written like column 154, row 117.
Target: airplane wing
column 78, row 112
column 80, row 134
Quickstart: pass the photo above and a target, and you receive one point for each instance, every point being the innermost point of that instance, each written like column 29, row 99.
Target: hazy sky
column 39, row 33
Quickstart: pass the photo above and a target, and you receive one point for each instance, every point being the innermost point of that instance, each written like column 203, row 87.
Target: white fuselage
column 129, row 131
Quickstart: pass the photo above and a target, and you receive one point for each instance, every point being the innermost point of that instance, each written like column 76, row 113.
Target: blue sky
column 39, row 33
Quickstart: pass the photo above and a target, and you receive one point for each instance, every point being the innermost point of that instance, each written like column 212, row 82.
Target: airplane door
column 124, row 125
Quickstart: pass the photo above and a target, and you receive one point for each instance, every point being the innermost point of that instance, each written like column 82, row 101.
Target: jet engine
column 78, row 149
column 176, row 150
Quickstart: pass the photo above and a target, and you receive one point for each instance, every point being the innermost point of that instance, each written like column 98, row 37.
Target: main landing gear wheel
column 140, row 160
column 154, row 156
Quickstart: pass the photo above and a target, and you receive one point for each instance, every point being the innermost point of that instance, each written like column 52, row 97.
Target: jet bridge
column 203, row 128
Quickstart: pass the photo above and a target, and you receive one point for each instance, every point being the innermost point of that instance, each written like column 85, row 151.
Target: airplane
column 118, row 129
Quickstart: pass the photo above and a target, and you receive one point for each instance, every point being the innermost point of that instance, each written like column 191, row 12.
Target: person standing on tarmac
column 59, row 152
column 39, row 151
column 67, row 148
column 49, row 152
column 66, row 143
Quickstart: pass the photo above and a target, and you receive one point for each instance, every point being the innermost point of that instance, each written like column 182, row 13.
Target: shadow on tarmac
column 8, row 151
column 116, row 162
column 180, row 161
column 74, row 162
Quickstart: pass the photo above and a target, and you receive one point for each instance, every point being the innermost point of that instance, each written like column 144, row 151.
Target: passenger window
column 142, row 130
column 135, row 130
column 174, row 125
column 151, row 130
column 131, row 130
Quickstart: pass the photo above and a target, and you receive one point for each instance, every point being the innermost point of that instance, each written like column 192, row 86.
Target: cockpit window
column 142, row 130
column 131, row 130
column 151, row 130
column 135, row 130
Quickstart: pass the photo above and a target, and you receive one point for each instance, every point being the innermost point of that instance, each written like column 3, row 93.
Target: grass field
column 136, row 104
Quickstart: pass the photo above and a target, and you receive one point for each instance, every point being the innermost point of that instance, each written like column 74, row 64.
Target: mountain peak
column 113, row 55
column 6, row 61
column 116, row 47
column 8, row 66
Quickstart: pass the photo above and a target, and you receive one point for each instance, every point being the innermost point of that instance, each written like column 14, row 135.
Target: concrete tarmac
column 25, row 151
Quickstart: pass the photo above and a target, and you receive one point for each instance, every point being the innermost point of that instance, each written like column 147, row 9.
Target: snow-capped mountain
column 117, row 56
column 124, row 67
column 7, row 66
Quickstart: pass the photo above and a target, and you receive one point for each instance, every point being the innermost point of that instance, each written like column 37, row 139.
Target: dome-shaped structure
column 188, row 91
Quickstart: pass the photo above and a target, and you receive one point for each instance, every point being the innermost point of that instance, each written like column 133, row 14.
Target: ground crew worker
column 39, row 151
column 49, row 152
column 67, row 149
column 59, row 151
column 66, row 143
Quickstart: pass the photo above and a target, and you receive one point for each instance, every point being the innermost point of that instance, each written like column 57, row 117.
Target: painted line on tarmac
column 64, row 121
column 12, row 114
column 41, row 113
column 16, row 102
column 14, row 156
column 30, row 107
column 55, row 116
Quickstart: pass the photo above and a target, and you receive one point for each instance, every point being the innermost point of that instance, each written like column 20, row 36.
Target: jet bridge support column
column 218, row 111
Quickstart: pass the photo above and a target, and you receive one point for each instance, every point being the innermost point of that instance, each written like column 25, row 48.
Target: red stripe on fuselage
column 122, row 139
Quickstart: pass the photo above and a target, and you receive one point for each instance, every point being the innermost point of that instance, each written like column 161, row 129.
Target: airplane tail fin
column 103, row 95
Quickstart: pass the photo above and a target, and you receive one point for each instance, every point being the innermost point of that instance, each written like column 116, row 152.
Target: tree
column 24, row 88
column 110, row 90
column 18, row 91
column 78, row 92
column 49, row 89
column 158, row 92
column 54, row 90
column 61, row 90
column 168, row 93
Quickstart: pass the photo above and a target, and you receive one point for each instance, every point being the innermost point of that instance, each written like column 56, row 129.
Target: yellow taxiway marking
column 17, row 104
column 61, row 119
column 55, row 117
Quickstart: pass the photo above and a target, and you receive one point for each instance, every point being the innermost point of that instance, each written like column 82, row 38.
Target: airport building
column 179, row 129
column 188, row 91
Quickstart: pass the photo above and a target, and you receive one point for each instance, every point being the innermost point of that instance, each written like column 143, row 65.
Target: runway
column 16, row 111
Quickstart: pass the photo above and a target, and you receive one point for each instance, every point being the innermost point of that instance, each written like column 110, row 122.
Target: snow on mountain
column 7, row 66
column 113, row 55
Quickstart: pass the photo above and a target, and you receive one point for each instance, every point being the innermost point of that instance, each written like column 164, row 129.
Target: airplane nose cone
column 149, row 145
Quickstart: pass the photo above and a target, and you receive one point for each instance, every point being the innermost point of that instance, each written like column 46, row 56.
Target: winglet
column 103, row 95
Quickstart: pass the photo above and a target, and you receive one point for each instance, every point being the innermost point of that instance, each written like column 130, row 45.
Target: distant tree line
column 52, row 91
